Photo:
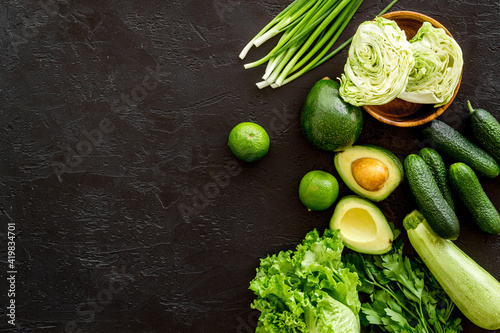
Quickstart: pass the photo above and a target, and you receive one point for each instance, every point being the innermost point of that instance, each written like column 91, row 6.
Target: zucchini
column 439, row 172
column 470, row 192
column 474, row 291
column 486, row 130
column 430, row 201
column 448, row 140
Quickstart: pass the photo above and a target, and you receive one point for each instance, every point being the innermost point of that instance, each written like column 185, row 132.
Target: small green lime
column 318, row 190
column 248, row 141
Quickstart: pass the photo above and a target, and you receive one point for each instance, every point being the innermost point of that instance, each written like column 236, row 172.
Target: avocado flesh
column 345, row 160
column 363, row 227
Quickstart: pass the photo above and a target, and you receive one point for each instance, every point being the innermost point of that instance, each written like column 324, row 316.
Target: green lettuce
column 437, row 69
column 379, row 63
column 307, row 290
column 329, row 315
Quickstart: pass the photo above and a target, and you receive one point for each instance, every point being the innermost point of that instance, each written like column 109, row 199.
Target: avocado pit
column 369, row 173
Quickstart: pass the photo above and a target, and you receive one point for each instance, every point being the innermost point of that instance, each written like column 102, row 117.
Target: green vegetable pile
column 307, row 290
column 404, row 295
column 318, row 288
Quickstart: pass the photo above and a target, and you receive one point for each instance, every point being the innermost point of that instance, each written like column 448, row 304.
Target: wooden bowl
column 399, row 112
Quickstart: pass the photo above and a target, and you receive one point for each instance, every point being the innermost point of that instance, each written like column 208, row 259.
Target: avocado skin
column 471, row 193
column 446, row 139
column 486, row 130
column 327, row 121
column 430, row 201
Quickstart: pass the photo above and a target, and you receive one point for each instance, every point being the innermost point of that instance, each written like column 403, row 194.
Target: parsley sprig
column 404, row 296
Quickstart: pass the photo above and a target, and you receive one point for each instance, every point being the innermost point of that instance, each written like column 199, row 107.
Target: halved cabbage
column 379, row 63
column 437, row 69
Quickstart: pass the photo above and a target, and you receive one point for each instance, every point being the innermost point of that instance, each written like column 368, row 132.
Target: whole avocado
column 327, row 121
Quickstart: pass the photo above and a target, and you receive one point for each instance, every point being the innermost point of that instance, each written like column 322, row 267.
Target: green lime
column 248, row 141
column 318, row 190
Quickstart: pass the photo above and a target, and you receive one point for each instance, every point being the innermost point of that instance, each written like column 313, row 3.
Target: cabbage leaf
column 379, row 63
column 437, row 69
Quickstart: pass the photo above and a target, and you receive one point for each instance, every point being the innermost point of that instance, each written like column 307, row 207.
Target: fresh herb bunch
column 404, row 296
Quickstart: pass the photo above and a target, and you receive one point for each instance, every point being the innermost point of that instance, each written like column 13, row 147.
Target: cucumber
column 474, row 291
column 470, row 192
column 486, row 130
column 439, row 172
column 430, row 201
column 448, row 140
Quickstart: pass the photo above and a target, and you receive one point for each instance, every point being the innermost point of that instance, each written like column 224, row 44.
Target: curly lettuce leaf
column 379, row 64
column 318, row 260
column 280, row 303
column 437, row 69
column 307, row 290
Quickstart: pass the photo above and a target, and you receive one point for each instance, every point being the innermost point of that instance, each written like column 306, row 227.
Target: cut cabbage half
column 379, row 63
column 437, row 69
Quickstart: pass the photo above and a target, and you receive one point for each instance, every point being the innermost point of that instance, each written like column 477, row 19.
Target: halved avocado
column 369, row 171
column 363, row 227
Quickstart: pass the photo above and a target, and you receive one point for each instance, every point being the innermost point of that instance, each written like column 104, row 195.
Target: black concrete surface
column 130, row 212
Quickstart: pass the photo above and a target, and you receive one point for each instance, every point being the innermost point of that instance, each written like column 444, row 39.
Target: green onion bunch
column 308, row 29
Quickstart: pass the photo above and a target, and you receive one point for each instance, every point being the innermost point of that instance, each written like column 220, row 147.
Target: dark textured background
column 155, row 227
